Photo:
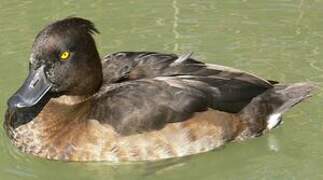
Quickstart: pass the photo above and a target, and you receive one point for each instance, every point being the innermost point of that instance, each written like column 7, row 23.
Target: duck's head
column 64, row 61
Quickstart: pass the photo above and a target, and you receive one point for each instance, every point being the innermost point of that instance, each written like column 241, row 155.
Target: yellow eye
column 65, row 55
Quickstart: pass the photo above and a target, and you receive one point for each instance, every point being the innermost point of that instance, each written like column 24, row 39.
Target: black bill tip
column 16, row 102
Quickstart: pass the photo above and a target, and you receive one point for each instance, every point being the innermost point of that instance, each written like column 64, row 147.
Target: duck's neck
column 91, row 79
column 96, row 77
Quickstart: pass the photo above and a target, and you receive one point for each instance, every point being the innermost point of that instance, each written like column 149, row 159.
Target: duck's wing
column 128, row 66
column 236, row 88
column 145, row 104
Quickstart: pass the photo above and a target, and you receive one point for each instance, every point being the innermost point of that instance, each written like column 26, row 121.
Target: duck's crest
column 75, row 23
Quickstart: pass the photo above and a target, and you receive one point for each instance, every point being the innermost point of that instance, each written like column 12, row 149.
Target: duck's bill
column 32, row 91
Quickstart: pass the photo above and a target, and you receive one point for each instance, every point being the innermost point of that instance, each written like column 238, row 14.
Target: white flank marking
column 273, row 120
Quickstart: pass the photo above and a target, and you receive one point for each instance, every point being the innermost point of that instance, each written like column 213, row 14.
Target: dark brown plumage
column 135, row 105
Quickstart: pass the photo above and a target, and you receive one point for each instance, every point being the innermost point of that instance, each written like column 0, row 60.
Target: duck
column 135, row 106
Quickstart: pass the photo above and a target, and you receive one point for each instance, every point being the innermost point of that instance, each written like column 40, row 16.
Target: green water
column 280, row 40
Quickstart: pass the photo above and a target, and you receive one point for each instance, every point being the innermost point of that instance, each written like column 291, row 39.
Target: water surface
column 279, row 40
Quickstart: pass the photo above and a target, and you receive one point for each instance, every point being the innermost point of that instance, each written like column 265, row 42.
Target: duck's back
column 233, row 88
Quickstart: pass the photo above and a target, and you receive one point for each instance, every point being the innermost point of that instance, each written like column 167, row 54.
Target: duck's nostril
column 34, row 83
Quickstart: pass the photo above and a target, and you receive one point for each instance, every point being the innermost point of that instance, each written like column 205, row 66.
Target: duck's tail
column 265, row 110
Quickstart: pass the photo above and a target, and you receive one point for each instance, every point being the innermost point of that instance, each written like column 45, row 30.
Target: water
column 280, row 40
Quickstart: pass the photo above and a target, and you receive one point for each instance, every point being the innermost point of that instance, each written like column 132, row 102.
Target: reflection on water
column 175, row 25
column 280, row 40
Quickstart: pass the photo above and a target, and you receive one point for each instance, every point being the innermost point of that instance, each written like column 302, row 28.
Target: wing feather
column 145, row 90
